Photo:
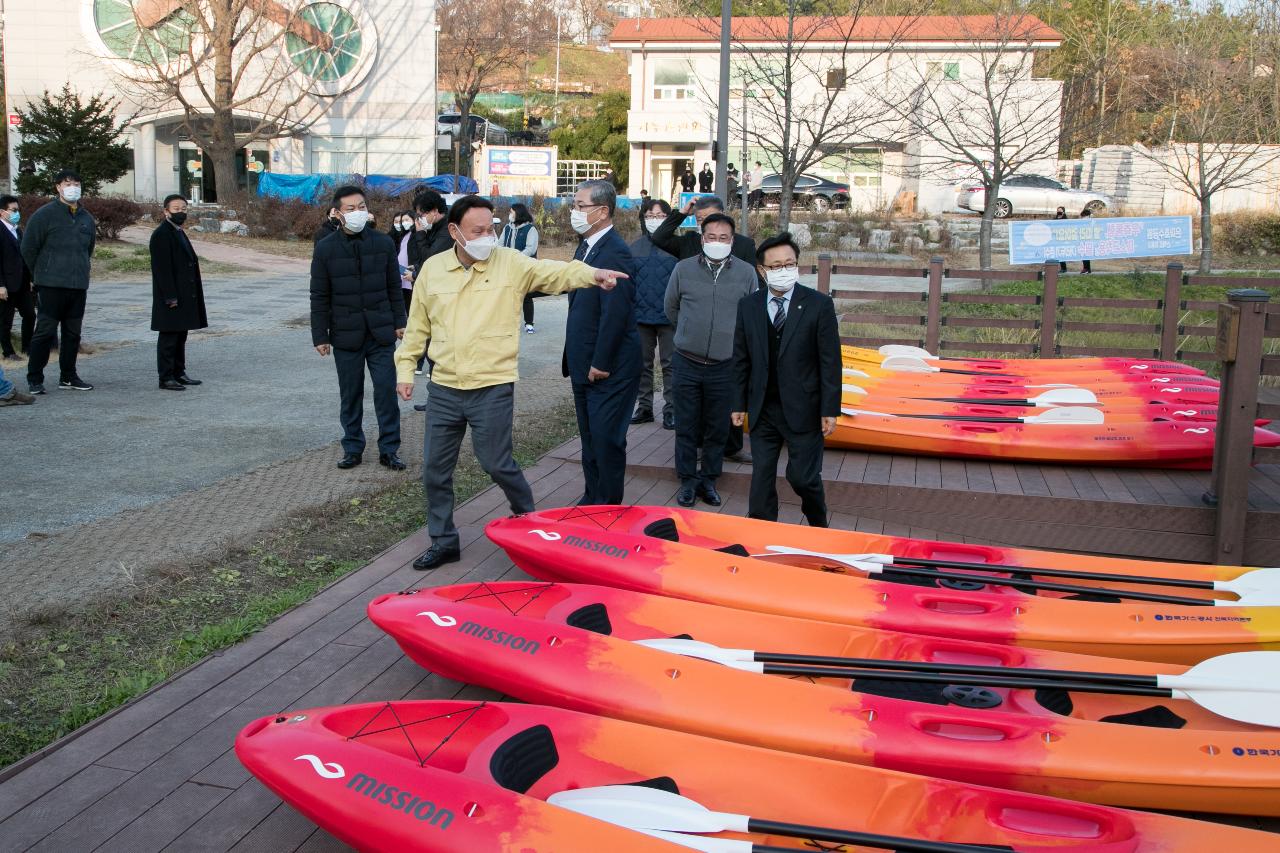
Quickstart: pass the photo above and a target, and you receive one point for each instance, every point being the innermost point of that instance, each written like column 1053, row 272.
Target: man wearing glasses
column 786, row 384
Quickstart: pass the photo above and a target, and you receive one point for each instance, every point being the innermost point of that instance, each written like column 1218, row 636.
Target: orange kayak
column 570, row 667
column 857, row 356
column 674, row 552
column 1112, row 413
column 485, row 771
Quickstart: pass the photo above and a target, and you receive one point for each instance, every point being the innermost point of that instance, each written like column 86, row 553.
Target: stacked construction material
column 1099, row 411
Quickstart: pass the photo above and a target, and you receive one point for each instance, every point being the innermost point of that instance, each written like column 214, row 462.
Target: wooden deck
column 1139, row 512
column 159, row 774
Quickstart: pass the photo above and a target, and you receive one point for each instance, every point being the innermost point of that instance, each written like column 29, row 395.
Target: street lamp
column 435, row 107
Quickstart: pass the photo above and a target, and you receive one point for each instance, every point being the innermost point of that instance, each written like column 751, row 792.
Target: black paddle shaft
column 956, row 668
column 1018, row 583
column 976, row 680
column 862, row 839
column 1055, row 573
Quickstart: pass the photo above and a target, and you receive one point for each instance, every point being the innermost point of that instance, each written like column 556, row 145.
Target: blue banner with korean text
column 689, row 221
column 1097, row 238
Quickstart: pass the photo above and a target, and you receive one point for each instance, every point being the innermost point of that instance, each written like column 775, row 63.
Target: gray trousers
column 491, row 414
column 661, row 338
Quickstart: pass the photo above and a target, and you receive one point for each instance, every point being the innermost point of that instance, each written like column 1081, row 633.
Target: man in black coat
column 177, row 295
column 16, row 293
column 431, row 234
column 602, row 346
column 787, row 364
column 357, row 313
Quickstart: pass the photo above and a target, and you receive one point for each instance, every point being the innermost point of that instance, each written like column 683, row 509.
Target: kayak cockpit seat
column 663, row 528
column 978, row 698
column 524, row 758
column 660, row 783
column 1058, row 701
column 592, row 617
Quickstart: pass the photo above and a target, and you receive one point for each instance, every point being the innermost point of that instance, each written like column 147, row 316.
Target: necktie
column 582, row 251
column 780, row 315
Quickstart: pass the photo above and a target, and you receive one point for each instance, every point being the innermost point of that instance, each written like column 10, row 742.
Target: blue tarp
column 312, row 188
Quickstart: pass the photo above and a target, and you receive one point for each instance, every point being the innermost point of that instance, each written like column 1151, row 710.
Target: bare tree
column 806, row 77
column 981, row 113
column 1215, row 130
column 222, row 62
column 480, row 40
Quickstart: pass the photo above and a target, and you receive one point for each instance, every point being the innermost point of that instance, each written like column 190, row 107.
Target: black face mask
column 178, row 218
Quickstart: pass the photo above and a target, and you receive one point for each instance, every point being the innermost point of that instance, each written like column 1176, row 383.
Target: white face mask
column 355, row 220
column 717, row 251
column 782, row 281
column 651, row 225
column 71, row 193
column 481, row 247
column 398, row 226
column 579, row 221
column 511, row 217
column 423, row 222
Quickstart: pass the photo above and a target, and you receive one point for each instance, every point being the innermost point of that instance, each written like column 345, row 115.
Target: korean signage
column 667, row 127
column 685, row 198
column 1098, row 238
column 515, row 170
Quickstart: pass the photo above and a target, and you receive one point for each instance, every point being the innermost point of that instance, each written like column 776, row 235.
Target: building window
column 942, row 70
column 866, row 165
column 357, row 155
column 835, row 78
column 672, row 80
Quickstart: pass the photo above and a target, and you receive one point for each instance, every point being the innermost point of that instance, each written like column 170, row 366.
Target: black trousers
column 382, row 371
column 702, row 400
column 56, row 307
column 528, row 309
column 804, row 467
column 171, row 354
column 604, row 414
column 24, row 305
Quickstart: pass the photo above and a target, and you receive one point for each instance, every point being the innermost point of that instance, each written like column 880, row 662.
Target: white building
column 375, row 57
column 1142, row 180
column 674, row 68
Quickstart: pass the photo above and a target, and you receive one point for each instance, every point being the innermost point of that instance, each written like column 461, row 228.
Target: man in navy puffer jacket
column 653, row 271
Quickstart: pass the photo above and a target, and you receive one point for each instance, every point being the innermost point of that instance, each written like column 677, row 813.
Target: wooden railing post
column 1172, row 310
column 1240, row 326
column 824, row 273
column 933, row 318
column 1049, row 309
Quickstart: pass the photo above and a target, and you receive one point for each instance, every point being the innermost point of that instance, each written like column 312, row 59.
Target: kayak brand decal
column 1170, row 617
column 583, row 543
column 328, row 770
column 515, row 642
column 400, row 800
column 548, row 536
column 1256, row 752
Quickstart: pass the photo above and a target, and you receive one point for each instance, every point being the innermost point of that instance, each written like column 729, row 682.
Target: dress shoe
column 392, row 461
column 187, row 380
column 435, row 557
column 669, row 420
column 17, row 398
column 350, row 460
column 741, row 456
column 419, row 407
column 642, row 418
column 686, row 497
column 709, row 495
column 171, row 385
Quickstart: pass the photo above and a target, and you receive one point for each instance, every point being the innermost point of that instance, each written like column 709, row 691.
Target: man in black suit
column 177, row 295
column 357, row 313
column 786, row 356
column 602, row 346
column 16, row 292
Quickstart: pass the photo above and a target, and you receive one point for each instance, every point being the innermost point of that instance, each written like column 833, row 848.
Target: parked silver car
column 1032, row 194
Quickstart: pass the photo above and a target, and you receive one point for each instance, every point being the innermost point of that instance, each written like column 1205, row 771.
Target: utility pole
column 744, row 229
column 722, row 109
column 555, row 109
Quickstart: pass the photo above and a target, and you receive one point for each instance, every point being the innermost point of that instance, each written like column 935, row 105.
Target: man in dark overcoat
column 177, row 295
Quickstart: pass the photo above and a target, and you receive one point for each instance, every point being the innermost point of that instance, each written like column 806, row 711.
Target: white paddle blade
column 868, row 563
column 849, row 371
column 1256, row 581
column 1243, row 686
column 697, row 649
column 902, row 349
column 908, row 364
column 852, row 412
column 1065, row 397
column 638, row 807
column 1067, row 415
column 852, row 389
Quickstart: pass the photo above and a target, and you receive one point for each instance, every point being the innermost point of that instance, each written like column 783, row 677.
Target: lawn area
column 118, row 259
column 65, row 667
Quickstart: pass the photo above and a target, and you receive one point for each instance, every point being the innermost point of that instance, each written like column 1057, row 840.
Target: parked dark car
column 810, row 191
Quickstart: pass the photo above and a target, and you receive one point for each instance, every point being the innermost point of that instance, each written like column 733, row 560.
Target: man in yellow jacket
column 466, row 302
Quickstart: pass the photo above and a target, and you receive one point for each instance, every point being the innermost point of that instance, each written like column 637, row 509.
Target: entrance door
column 664, row 178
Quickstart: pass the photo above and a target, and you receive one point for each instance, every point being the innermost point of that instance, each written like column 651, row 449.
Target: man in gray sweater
column 702, row 303
column 56, row 246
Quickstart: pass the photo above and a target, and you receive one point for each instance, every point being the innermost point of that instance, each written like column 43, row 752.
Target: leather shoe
column 642, row 418
column 350, row 460
column 171, row 385
column 686, row 497
column 435, row 557
column 669, row 420
column 187, row 380
column 392, row 461
column 741, row 456
column 709, row 495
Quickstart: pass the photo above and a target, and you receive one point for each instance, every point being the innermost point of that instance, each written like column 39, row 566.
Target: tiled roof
column 931, row 28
